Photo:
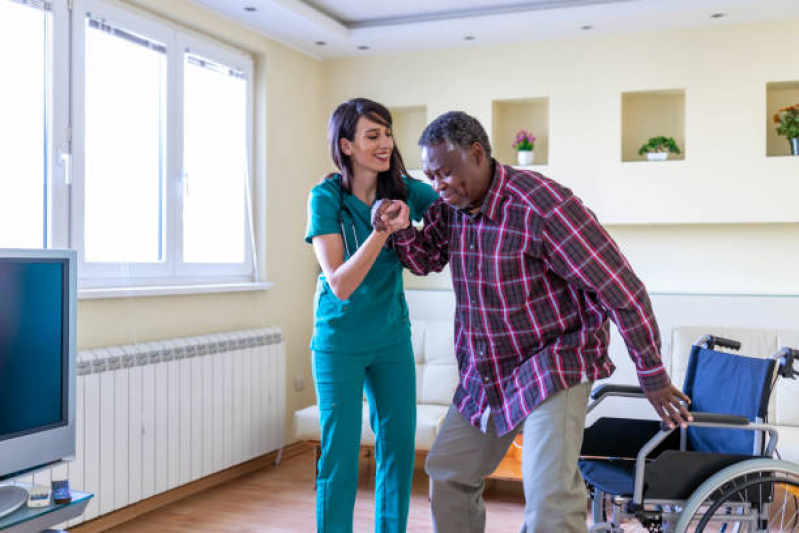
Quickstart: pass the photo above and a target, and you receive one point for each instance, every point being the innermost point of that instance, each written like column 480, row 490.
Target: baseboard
column 120, row 516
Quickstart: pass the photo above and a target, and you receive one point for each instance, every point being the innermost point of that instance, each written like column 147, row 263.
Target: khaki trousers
column 462, row 456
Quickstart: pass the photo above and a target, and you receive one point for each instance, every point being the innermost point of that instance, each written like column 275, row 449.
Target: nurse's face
column 370, row 148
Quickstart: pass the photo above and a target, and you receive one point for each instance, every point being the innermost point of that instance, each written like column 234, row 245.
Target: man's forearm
column 418, row 255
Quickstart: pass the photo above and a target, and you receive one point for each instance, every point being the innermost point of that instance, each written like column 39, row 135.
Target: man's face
column 459, row 176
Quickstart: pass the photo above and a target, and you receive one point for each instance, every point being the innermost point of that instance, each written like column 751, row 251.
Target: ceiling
column 339, row 28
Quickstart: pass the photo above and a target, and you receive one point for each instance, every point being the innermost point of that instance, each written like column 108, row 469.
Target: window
column 145, row 168
column 25, row 33
column 162, row 153
column 125, row 144
column 214, row 162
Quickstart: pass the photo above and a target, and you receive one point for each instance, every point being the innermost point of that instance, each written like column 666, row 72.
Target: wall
column 723, row 220
column 289, row 159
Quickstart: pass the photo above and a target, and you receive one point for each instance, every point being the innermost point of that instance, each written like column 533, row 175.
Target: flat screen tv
column 38, row 291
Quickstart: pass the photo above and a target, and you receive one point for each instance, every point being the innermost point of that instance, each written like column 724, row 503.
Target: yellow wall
column 290, row 156
column 724, row 219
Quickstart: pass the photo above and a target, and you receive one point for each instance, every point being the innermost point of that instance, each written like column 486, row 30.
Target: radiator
column 153, row 416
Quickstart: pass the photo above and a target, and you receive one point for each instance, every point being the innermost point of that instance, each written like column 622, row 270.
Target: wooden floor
column 282, row 499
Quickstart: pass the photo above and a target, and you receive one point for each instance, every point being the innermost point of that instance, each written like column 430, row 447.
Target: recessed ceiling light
column 320, row 43
column 587, row 27
column 469, row 38
column 363, row 47
column 718, row 15
column 250, row 8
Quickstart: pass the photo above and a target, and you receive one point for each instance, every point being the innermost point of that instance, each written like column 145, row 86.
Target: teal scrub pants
column 389, row 378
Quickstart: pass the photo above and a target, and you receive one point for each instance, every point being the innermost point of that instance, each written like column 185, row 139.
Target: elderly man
column 536, row 278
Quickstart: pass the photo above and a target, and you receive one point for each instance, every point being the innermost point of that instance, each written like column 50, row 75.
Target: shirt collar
column 493, row 199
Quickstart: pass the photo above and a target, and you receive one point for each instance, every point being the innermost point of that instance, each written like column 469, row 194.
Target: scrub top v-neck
column 375, row 315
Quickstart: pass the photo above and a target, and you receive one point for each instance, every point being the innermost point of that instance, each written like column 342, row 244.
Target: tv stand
column 29, row 519
column 11, row 499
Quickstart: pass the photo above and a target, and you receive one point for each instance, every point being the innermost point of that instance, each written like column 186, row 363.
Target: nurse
column 362, row 336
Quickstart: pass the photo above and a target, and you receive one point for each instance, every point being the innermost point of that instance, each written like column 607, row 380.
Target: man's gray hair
column 457, row 128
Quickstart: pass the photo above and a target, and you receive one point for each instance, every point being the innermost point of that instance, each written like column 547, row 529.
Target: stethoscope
column 342, row 206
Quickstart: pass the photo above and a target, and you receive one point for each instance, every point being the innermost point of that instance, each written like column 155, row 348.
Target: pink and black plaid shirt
column 535, row 278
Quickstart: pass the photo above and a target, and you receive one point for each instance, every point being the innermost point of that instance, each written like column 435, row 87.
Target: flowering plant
column 787, row 121
column 524, row 141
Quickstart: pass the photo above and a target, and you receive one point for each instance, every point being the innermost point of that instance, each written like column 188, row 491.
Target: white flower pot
column 524, row 157
column 657, row 156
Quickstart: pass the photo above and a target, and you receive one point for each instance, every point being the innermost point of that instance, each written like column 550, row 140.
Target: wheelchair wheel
column 759, row 496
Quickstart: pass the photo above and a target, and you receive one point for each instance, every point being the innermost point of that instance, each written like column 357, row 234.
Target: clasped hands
column 389, row 216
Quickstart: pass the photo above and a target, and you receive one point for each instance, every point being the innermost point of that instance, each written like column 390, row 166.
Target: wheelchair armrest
column 607, row 390
column 716, row 418
column 615, row 390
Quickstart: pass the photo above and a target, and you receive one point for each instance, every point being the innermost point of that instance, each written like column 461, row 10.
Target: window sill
column 170, row 290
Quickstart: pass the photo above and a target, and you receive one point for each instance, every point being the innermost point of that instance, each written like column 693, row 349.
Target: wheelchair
column 717, row 475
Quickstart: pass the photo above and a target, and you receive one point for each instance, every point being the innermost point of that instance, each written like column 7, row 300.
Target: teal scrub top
column 375, row 316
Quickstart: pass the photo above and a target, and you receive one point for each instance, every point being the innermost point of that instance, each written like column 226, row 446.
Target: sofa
column 436, row 376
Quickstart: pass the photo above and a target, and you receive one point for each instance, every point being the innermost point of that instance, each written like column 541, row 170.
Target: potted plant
column 787, row 121
column 524, row 145
column 659, row 148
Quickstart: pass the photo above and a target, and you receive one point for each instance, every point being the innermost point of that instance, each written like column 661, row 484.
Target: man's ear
column 346, row 146
column 478, row 152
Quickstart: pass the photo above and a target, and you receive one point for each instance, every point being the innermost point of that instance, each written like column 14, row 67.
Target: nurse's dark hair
column 343, row 123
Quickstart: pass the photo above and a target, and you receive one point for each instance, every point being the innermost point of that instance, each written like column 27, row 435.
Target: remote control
column 38, row 496
column 61, row 492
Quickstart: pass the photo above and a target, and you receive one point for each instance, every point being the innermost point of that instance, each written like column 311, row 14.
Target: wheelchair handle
column 786, row 360
column 710, row 342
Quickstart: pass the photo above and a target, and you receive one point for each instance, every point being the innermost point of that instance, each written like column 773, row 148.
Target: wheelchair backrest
column 725, row 383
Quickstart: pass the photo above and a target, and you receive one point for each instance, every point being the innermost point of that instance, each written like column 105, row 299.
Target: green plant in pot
column 659, row 148
column 787, row 121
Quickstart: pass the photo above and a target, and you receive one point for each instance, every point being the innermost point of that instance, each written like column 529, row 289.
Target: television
column 38, row 291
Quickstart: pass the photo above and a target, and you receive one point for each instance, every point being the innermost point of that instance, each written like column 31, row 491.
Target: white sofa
column 437, row 370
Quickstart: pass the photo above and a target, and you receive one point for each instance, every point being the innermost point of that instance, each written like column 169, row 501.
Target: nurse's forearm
column 352, row 272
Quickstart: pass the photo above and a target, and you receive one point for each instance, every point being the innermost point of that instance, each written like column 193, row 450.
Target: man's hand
column 379, row 209
column 668, row 403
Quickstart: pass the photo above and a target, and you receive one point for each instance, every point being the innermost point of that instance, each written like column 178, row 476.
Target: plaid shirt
column 535, row 277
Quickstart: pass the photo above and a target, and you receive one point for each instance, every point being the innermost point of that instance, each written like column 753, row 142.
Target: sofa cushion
column 428, row 418
column 437, row 375
column 788, row 443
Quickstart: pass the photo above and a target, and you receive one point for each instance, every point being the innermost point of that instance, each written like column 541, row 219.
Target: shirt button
column 486, row 379
column 471, row 246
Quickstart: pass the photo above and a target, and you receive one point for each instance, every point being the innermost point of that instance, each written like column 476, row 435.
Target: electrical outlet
column 299, row 383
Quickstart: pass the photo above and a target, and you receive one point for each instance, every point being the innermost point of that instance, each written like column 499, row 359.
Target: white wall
column 723, row 220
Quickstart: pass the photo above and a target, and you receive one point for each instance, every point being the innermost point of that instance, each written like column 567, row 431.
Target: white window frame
column 172, row 271
column 60, row 153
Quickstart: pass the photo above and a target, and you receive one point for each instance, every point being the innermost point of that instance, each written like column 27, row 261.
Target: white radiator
column 157, row 415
